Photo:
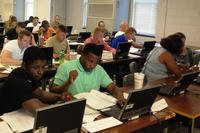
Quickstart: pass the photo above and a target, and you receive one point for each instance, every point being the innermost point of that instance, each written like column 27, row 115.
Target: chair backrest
column 196, row 59
column 133, row 66
column 128, row 80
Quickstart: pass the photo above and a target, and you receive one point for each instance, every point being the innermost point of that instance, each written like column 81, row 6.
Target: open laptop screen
column 61, row 118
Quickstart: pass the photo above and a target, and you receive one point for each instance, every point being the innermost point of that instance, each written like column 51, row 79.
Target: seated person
column 84, row 74
column 35, row 24
column 21, row 87
column 160, row 63
column 13, row 51
column 59, row 42
column 122, row 29
column 11, row 23
column 186, row 56
column 56, row 22
column 13, row 33
column 97, row 38
column 106, row 33
column 46, row 30
column 128, row 35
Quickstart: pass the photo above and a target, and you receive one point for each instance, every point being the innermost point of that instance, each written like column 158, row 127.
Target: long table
column 186, row 104
column 111, row 67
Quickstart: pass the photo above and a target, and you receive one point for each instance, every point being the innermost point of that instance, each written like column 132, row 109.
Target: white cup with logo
column 138, row 80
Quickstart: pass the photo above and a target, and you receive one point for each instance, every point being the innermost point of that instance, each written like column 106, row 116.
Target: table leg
column 165, row 130
column 192, row 126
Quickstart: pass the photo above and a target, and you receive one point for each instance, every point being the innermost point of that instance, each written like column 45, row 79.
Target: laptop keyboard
column 129, row 114
column 114, row 111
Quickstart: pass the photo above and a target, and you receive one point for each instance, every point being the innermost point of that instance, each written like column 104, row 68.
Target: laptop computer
column 1, row 30
column 83, row 36
column 2, row 39
column 49, row 55
column 61, row 118
column 101, row 47
column 36, row 37
column 1, row 24
column 69, row 30
column 122, row 50
column 179, row 86
column 30, row 29
column 147, row 47
column 135, row 105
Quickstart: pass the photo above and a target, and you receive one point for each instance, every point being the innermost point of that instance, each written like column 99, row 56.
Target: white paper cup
column 73, row 55
column 138, row 80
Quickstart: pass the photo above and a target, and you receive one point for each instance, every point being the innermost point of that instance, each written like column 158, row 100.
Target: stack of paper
column 102, row 124
column 4, row 128
column 97, row 100
column 19, row 120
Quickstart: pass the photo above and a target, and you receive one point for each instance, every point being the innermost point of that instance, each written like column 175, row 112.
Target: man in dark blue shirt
column 128, row 35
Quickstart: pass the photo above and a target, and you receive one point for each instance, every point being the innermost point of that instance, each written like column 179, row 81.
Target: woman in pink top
column 97, row 38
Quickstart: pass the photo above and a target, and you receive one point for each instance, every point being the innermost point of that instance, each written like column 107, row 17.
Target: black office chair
column 2, row 38
column 1, row 30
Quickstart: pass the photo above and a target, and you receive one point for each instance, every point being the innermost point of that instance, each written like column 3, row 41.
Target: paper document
column 90, row 114
column 4, row 128
column 159, row 105
column 19, row 120
column 97, row 100
column 106, row 55
column 101, row 124
column 133, row 56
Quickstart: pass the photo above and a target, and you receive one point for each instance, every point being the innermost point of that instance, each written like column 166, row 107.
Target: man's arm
column 32, row 104
column 6, row 59
column 117, row 93
column 61, row 88
column 136, row 45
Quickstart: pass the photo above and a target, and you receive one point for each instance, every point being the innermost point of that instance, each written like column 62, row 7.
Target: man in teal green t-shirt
column 84, row 74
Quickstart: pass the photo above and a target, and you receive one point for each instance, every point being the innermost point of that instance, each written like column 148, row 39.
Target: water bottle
column 62, row 57
column 114, row 79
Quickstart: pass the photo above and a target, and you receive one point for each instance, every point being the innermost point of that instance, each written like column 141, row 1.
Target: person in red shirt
column 97, row 39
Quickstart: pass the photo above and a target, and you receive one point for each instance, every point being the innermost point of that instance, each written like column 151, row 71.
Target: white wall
column 74, row 14
column 6, row 9
column 42, row 9
column 178, row 16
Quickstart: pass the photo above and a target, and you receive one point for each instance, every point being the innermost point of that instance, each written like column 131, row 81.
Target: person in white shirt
column 35, row 24
column 13, row 51
column 122, row 28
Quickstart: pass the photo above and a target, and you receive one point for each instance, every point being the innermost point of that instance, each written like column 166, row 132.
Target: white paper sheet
column 19, row 120
column 101, row 124
column 4, row 128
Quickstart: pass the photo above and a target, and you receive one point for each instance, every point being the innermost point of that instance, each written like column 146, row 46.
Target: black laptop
column 1, row 30
column 139, row 102
column 30, row 29
column 83, row 36
column 1, row 24
column 179, row 86
column 122, row 50
column 2, row 39
column 147, row 47
column 69, row 30
column 49, row 55
column 61, row 118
